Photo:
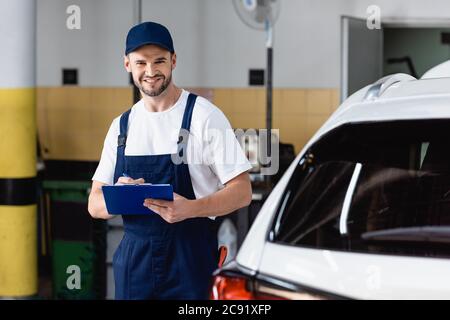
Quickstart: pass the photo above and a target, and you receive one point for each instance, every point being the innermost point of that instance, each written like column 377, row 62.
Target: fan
column 256, row 13
column 262, row 15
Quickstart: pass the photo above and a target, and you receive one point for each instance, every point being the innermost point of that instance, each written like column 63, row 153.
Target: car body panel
column 356, row 275
column 407, row 107
column 251, row 250
column 359, row 275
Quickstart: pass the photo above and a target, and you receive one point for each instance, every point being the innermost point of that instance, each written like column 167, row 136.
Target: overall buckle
column 121, row 141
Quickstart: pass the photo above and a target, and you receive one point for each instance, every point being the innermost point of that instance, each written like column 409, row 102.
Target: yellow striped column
column 18, row 225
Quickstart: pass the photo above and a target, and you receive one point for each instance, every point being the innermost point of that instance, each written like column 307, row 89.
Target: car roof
column 395, row 97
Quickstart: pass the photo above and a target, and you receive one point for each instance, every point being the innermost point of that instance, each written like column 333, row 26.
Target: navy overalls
column 156, row 259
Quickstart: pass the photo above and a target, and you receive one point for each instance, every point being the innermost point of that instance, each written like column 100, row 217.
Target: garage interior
column 63, row 83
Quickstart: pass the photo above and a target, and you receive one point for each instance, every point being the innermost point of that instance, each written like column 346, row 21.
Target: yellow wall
column 73, row 121
column 297, row 113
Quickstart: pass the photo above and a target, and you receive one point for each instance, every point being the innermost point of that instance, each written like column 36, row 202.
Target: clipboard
column 128, row 199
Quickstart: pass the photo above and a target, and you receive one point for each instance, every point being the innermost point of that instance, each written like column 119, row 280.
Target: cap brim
column 147, row 43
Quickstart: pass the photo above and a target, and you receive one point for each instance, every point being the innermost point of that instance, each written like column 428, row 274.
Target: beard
column 156, row 91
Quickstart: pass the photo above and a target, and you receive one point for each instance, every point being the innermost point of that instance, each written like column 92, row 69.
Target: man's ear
column 126, row 63
column 174, row 60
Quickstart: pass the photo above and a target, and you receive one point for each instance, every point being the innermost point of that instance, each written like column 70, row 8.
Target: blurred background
column 62, row 82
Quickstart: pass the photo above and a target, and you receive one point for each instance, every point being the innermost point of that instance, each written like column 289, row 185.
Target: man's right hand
column 96, row 205
column 128, row 180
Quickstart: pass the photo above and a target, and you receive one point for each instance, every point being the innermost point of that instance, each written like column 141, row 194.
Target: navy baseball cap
column 148, row 33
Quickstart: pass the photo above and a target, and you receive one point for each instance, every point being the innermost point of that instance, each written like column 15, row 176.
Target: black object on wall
column 445, row 37
column 70, row 76
column 256, row 77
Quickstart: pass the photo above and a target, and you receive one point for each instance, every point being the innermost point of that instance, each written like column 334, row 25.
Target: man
column 171, row 252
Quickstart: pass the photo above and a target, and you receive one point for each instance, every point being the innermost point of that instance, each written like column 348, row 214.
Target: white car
column 364, row 210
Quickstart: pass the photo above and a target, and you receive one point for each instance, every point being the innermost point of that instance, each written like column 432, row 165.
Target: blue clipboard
column 128, row 199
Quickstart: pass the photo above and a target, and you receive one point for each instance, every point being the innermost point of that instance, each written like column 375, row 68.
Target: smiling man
column 171, row 252
column 152, row 85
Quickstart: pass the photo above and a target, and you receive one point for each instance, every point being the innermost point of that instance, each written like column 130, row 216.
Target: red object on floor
column 223, row 251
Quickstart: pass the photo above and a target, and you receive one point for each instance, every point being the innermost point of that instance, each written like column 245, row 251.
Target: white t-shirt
column 213, row 153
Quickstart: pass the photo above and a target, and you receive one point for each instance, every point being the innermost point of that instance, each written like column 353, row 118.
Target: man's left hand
column 172, row 211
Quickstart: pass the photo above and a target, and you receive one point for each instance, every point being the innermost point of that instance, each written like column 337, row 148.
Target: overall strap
column 187, row 117
column 182, row 177
column 121, row 143
column 186, row 124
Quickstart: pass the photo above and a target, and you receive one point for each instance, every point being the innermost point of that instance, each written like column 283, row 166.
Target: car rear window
column 372, row 188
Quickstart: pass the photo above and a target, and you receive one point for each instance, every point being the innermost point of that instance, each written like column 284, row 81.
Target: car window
column 313, row 205
column 399, row 202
